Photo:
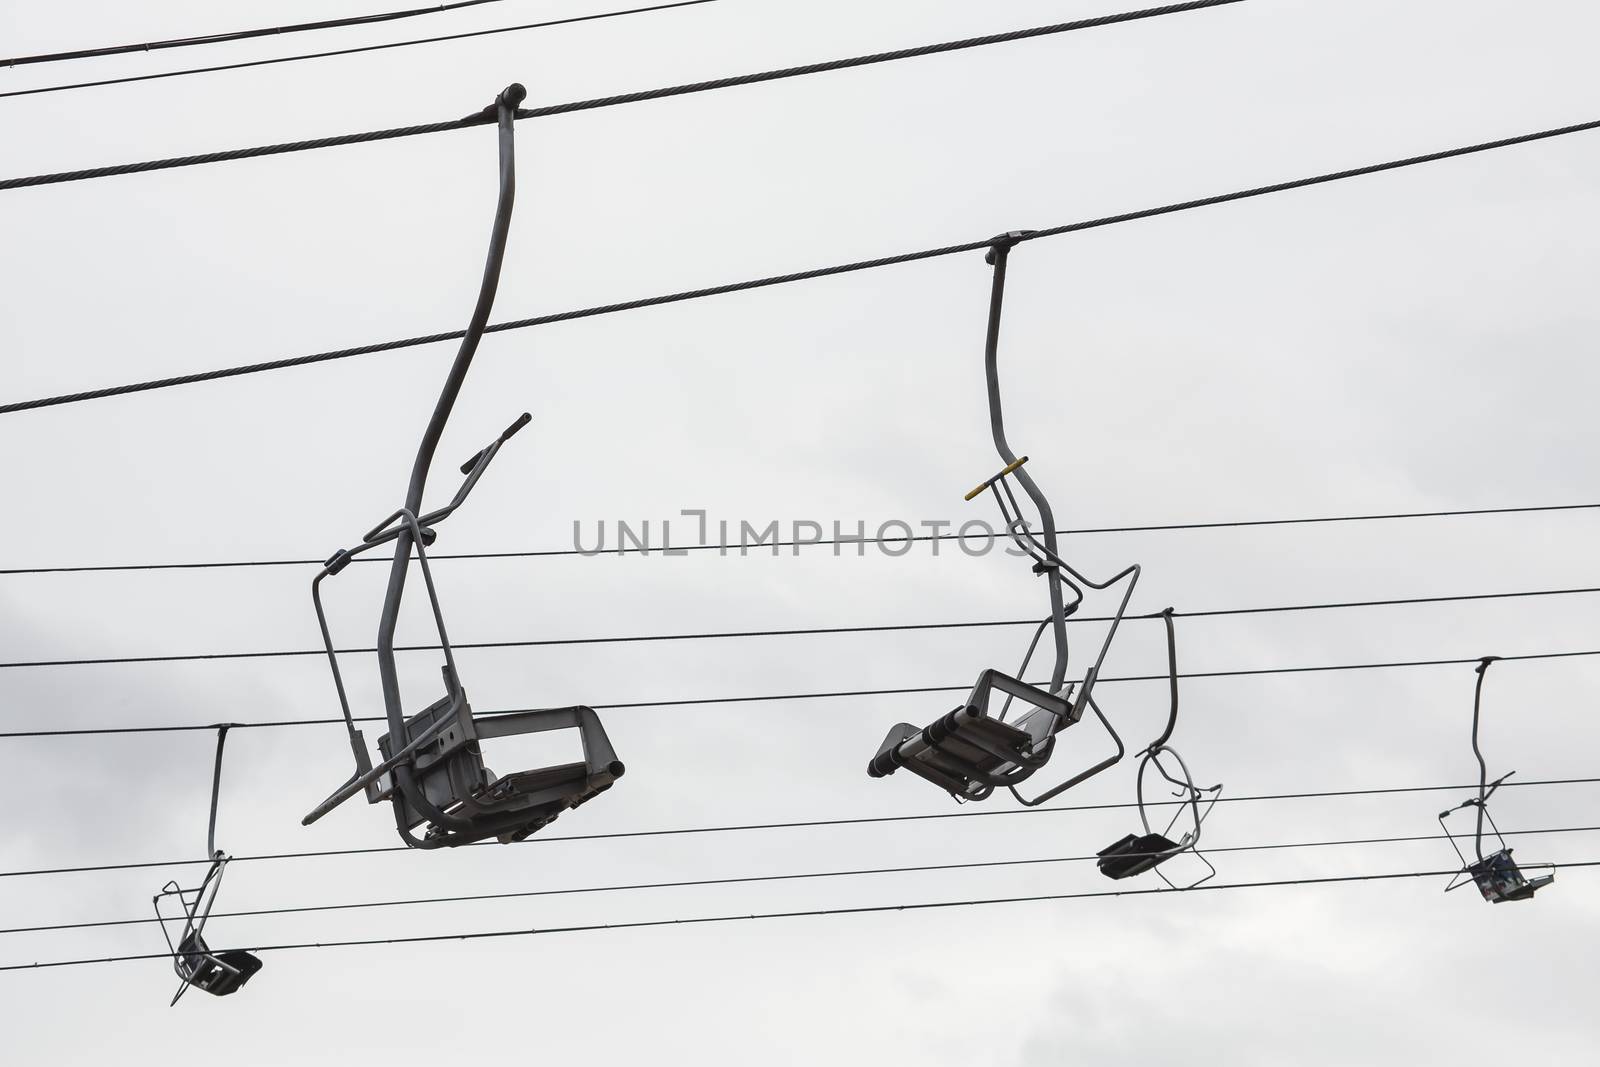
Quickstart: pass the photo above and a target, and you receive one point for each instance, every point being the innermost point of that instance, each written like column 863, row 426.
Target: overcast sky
column 1413, row 341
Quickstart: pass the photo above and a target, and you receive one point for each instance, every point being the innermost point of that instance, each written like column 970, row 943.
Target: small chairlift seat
column 1499, row 878
column 194, row 962
column 217, row 973
column 1497, row 875
column 968, row 752
column 450, row 771
column 1135, row 854
column 196, row 965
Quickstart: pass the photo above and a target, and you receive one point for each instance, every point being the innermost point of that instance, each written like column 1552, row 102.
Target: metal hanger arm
column 505, row 107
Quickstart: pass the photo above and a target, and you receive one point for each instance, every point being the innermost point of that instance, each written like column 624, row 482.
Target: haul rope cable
column 758, row 283
column 241, row 35
column 477, row 935
column 805, row 631
column 794, row 825
column 757, row 878
column 480, row 119
column 358, row 50
column 837, row 694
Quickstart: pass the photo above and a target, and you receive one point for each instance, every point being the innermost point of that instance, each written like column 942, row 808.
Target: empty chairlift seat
column 1499, row 878
column 431, row 763
column 194, row 961
column 217, row 973
column 197, row 966
column 968, row 752
column 450, row 770
column 974, row 749
column 1135, row 854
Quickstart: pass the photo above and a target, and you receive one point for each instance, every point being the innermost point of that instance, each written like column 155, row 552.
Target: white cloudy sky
column 1413, row 341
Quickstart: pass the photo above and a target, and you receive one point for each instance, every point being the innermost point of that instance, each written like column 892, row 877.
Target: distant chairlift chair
column 217, row 973
column 432, row 767
column 1137, row 853
column 974, row 749
column 1496, row 875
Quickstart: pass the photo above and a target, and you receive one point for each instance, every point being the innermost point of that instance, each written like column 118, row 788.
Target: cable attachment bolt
column 512, row 96
column 1002, row 242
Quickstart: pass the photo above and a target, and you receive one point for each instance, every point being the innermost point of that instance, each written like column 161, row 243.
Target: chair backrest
column 1498, row 878
column 217, row 973
column 450, row 771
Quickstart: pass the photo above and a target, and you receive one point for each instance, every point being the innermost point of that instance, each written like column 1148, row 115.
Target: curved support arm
column 506, row 107
column 999, row 251
column 1483, row 768
column 1172, row 683
column 216, row 789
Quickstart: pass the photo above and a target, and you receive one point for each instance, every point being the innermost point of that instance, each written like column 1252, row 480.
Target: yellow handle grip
column 996, row 478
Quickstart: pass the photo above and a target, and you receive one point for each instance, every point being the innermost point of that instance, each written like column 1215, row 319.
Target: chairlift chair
column 1137, row 853
column 431, row 766
column 974, row 749
column 196, row 964
column 1497, row 875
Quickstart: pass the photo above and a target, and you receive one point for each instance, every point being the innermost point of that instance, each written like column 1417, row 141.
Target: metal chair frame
column 431, row 767
column 1497, row 875
column 1029, row 743
column 192, row 959
column 1135, row 854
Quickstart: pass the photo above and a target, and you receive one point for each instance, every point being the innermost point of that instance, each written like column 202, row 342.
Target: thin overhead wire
column 865, row 820
column 610, row 101
column 759, row 878
column 735, row 287
column 262, row 724
column 700, row 920
column 193, row 657
column 385, row 46
column 836, row 542
column 241, row 35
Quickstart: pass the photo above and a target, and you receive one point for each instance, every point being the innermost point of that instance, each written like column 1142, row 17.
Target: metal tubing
column 1172, row 681
column 216, row 788
column 999, row 251
column 360, row 780
column 405, row 782
column 333, row 656
column 1483, row 768
column 1081, row 776
column 364, row 774
column 194, row 916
